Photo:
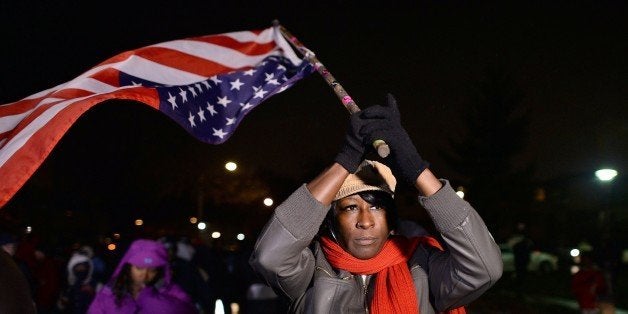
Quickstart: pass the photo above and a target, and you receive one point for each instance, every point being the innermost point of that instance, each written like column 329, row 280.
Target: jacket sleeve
column 471, row 262
column 281, row 255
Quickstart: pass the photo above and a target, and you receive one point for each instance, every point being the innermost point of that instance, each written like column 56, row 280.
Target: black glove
column 352, row 149
column 384, row 123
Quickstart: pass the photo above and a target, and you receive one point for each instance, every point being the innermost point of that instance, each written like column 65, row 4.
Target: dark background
column 509, row 99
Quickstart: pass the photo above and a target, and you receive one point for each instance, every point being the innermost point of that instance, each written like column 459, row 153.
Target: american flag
column 206, row 84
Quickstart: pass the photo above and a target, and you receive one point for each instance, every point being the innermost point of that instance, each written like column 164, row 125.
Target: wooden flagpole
column 382, row 148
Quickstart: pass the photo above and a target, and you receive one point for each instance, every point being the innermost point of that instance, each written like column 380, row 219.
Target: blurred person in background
column 142, row 283
column 588, row 284
column 100, row 269
column 15, row 294
column 81, row 286
column 211, row 260
column 47, row 271
column 521, row 248
column 9, row 244
column 608, row 257
column 187, row 274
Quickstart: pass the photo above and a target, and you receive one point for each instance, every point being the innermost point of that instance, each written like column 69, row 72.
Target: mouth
column 365, row 241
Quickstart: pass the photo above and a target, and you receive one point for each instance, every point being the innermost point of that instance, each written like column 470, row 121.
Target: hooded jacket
column 295, row 266
column 76, row 259
column 164, row 297
column 81, row 288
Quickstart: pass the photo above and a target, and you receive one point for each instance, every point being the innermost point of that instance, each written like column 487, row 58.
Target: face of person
column 143, row 275
column 362, row 226
column 81, row 272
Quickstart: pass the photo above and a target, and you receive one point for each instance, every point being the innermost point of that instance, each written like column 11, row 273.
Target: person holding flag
column 331, row 247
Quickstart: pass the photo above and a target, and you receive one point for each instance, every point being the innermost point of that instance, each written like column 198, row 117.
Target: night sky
column 568, row 60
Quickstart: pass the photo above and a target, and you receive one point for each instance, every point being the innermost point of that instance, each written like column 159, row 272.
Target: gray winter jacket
column 286, row 256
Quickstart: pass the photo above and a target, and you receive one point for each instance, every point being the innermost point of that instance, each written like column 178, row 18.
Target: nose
column 143, row 274
column 365, row 219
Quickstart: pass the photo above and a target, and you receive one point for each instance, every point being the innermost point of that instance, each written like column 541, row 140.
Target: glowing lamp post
column 606, row 175
column 231, row 166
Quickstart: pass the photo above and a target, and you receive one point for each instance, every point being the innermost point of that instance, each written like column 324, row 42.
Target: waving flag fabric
column 206, row 84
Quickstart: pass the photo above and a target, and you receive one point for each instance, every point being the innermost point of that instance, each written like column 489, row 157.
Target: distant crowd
column 171, row 272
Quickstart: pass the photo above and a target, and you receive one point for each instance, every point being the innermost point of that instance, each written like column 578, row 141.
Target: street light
column 605, row 175
column 201, row 226
column 268, row 201
column 231, row 166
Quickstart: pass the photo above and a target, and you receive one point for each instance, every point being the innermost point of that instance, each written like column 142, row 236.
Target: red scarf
column 394, row 288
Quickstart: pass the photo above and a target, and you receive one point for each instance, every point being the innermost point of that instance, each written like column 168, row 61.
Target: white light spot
column 231, row 166
column 268, row 201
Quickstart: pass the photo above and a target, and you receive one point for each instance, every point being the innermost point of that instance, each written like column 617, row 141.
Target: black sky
column 568, row 58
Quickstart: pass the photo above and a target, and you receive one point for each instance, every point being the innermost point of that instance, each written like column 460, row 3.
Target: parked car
column 542, row 262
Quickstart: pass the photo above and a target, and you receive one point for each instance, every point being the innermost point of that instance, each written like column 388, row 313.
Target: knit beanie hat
column 370, row 176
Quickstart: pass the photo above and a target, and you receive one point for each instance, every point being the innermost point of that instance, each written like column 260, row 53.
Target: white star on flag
column 183, row 95
column 246, row 106
column 219, row 133
column 224, row 101
column 215, row 79
column 211, row 109
column 191, row 119
column 172, row 100
column 193, row 91
column 201, row 114
column 236, row 84
column 260, row 93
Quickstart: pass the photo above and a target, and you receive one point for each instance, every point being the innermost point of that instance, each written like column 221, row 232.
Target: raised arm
column 325, row 186
column 427, row 183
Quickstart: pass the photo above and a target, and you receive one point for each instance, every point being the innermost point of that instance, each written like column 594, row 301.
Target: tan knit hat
column 370, row 176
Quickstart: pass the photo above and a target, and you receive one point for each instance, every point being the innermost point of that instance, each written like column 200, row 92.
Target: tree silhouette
column 493, row 129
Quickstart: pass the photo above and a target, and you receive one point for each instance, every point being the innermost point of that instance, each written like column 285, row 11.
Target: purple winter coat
column 168, row 298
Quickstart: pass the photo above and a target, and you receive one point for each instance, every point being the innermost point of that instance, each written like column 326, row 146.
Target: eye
column 376, row 208
column 351, row 207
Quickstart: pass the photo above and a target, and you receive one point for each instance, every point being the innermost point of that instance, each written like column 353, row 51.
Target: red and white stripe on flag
column 31, row 127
